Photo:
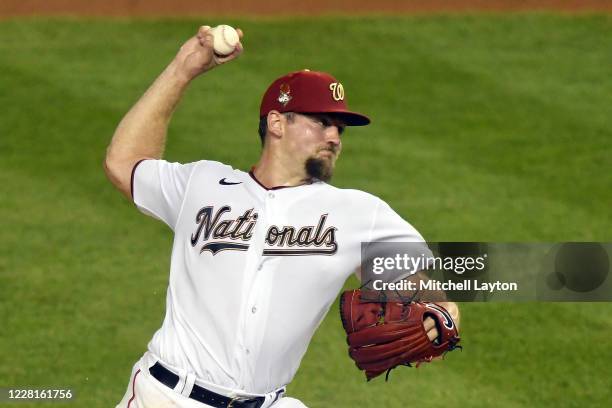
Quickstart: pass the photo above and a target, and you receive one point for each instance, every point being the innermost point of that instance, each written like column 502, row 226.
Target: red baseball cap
column 309, row 91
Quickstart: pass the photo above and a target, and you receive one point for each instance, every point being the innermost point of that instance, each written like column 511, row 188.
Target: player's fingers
column 429, row 323
column 223, row 60
column 205, row 36
column 238, row 50
column 240, row 33
column 235, row 54
column 204, row 40
column 203, row 30
column 430, row 328
column 432, row 334
column 207, row 40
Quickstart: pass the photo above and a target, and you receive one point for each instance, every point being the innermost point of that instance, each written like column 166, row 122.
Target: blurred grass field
column 488, row 127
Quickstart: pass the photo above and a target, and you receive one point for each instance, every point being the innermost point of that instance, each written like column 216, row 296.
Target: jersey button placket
column 253, row 325
column 246, row 344
column 259, row 293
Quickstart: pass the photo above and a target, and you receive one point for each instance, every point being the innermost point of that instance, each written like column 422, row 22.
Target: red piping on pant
column 133, row 388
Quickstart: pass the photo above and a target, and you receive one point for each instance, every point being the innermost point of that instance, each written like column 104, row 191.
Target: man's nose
column 332, row 135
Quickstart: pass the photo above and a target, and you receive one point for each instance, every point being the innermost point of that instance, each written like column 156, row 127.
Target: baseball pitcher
column 259, row 256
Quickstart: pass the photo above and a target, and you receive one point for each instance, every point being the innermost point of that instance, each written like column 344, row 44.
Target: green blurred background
column 485, row 127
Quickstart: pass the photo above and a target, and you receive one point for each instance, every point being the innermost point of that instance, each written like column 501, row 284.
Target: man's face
column 314, row 140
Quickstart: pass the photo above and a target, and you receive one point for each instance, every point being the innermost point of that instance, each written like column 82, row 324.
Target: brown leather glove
column 382, row 336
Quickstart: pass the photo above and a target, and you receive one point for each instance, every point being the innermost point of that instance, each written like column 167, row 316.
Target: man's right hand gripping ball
column 197, row 55
column 384, row 335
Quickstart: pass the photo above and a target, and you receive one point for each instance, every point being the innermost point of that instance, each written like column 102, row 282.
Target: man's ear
column 275, row 123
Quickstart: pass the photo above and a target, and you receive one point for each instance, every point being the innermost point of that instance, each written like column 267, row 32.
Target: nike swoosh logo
column 223, row 182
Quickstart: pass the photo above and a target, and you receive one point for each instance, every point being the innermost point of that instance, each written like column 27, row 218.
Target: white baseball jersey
column 253, row 270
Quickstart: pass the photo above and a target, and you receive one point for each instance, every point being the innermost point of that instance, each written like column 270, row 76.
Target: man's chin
column 320, row 168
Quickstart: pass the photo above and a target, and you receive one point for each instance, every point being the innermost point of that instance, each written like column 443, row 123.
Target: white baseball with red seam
column 226, row 39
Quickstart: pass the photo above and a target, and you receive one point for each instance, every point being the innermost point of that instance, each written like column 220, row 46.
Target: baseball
column 226, row 39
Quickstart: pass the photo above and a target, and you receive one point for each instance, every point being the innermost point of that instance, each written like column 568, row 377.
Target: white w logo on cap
column 337, row 91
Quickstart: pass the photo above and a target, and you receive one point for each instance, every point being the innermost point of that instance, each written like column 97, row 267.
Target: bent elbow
column 119, row 174
column 111, row 170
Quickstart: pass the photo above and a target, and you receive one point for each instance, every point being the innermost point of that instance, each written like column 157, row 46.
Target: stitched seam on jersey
column 374, row 220
column 133, row 388
column 178, row 217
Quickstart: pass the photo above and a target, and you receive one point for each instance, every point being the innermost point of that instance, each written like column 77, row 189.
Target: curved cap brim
column 348, row 117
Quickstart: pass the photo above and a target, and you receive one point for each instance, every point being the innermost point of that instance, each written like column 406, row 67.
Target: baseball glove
column 382, row 336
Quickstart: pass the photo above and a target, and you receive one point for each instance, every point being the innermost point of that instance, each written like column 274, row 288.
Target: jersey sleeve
column 389, row 227
column 158, row 188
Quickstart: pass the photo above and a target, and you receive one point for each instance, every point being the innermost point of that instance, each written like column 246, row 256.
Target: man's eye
column 325, row 122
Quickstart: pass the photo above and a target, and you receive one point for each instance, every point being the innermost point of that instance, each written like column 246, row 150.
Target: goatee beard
column 319, row 169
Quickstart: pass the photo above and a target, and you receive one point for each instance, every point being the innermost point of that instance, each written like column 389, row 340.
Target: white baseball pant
column 144, row 391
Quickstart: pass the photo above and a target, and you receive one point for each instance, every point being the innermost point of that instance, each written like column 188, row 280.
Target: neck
column 273, row 171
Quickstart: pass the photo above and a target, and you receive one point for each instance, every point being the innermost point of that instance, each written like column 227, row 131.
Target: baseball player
column 258, row 257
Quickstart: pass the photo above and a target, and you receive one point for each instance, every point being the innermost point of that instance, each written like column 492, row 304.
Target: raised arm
column 141, row 134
